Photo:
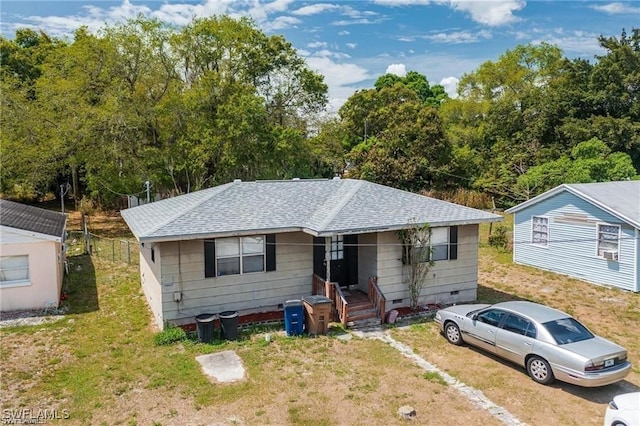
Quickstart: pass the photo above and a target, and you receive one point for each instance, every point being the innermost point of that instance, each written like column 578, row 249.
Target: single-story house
column 251, row 246
column 32, row 256
column 589, row 231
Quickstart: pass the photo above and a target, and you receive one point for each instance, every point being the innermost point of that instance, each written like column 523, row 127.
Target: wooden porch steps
column 360, row 308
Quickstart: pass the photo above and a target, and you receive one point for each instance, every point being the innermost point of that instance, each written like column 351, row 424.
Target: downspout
column 179, row 277
column 636, row 279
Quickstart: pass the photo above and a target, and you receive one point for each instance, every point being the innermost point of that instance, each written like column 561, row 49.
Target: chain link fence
column 113, row 249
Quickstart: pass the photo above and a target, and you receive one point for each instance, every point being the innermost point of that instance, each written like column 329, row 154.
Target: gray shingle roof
column 620, row 198
column 32, row 219
column 320, row 207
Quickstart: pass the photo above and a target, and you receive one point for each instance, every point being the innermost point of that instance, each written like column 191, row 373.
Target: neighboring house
column 250, row 246
column 588, row 231
column 31, row 256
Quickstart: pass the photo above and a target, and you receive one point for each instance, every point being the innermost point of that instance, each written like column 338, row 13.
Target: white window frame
column 244, row 245
column 441, row 243
column 600, row 252
column 337, row 247
column 18, row 282
column 533, row 231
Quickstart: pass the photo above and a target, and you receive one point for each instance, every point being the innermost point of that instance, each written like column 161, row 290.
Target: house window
column 337, row 247
column 240, row 255
column 540, row 231
column 440, row 243
column 608, row 241
column 14, row 270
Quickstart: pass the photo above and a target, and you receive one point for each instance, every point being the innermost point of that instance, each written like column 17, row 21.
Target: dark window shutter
column 209, row 258
column 351, row 256
column 271, row 252
column 453, row 242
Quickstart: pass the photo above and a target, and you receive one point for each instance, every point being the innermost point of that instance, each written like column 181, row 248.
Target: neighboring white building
column 31, row 256
column 250, row 246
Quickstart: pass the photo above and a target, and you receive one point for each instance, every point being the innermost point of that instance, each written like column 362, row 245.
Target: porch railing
column 342, row 307
column 318, row 286
column 376, row 298
column 333, row 292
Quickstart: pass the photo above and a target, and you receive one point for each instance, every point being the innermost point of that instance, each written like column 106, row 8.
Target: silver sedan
column 549, row 343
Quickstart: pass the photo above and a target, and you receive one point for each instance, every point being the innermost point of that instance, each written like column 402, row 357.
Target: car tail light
column 594, row 367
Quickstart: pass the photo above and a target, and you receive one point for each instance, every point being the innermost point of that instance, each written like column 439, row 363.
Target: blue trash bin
column 293, row 317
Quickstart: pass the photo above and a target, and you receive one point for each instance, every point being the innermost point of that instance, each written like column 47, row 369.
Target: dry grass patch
column 100, row 364
column 609, row 312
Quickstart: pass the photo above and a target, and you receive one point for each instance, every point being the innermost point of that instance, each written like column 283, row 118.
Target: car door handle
column 527, row 343
column 490, row 331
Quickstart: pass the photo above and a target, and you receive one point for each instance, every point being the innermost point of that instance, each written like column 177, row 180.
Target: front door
column 343, row 253
column 338, row 261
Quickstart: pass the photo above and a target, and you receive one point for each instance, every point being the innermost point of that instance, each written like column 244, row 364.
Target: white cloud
column 351, row 45
column 343, row 33
column 280, row 23
column 317, row 44
column 326, row 53
column 616, row 8
column 339, row 77
column 450, row 85
column 316, row 9
column 579, row 43
column 398, row 69
column 401, row 2
column 459, row 37
column 489, row 12
column 360, row 21
column 406, row 39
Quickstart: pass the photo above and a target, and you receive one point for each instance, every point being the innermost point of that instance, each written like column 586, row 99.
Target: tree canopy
column 186, row 109
column 191, row 107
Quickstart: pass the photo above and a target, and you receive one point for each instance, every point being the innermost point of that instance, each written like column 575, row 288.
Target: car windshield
column 567, row 330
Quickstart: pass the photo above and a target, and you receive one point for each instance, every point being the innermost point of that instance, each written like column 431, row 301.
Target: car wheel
column 452, row 333
column 540, row 370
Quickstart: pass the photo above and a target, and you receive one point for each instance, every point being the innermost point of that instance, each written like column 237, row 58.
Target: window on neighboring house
column 337, row 247
column 608, row 241
column 14, row 270
column 233, row 256
column 540, row 231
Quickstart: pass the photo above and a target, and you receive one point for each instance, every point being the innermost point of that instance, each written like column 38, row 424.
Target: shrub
column 169, row 335
column 498, row 238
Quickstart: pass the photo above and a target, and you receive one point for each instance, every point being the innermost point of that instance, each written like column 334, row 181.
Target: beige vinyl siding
column 150, row 279
column 367, row 259
column 183, row 273
column 445, row 277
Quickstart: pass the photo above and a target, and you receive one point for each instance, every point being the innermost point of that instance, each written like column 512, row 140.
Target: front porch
column 352, row 305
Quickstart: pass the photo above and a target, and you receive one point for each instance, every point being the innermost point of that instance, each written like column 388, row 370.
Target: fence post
column 113, row 250
column 129, row 252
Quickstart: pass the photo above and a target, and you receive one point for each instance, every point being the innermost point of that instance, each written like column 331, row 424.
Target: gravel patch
column 20, row 318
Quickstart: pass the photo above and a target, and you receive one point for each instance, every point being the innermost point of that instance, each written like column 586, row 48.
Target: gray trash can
column 204, row 324
column 229, row 324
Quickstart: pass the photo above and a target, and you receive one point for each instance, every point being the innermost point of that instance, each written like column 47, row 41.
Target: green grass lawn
column 100, row 365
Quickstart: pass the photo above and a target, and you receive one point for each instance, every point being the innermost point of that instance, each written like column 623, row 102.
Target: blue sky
column 352, row 43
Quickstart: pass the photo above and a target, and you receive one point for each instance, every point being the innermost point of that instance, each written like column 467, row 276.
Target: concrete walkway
column 474, row 395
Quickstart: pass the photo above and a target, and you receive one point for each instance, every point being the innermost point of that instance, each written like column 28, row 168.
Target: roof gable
column 317, row 206
column 619, row 198
column 32, row 219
